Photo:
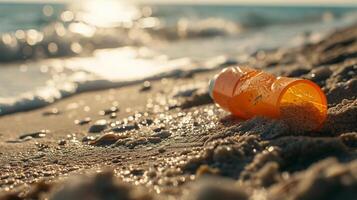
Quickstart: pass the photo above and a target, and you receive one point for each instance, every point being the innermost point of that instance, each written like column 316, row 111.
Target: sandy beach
column 167, row 139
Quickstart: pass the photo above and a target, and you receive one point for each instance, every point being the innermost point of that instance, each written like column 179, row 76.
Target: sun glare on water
column 107, row 13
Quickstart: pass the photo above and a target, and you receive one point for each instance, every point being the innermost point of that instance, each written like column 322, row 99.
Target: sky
column 266, row 2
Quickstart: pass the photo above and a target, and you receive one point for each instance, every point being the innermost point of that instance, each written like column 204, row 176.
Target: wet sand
column 168, row 140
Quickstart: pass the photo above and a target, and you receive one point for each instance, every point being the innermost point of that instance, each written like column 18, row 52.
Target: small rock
column 106, row 139
column 113, row 116
column 83, row 121
column 150, row 173
column 53, row 111
column 154, row 140
column 88, row 138
column 147, row 122
column 146, row 86
column 297, row 72
column 123, row 128
column 161, row 150
column 62, row 142
column 321, row 73
column 109, row 111
column 158, row 129
column 98, row 126
column 162, row 134
column 39, row 134
column 137, row 172
column 121, row 142
column 186, row 93
column 138, row 141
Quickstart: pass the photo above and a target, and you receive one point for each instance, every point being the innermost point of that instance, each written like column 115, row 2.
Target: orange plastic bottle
column 247, row 92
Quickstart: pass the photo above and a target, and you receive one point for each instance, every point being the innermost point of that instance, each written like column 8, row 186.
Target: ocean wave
column 79, row 38
column 82, row 74
column 78, row 32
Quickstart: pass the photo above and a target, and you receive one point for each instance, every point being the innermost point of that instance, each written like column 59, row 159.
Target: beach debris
column 109, row 111
column 294, row 100
column 53, row 111
column 82, row 121
column 146, row 86
column 98, row 126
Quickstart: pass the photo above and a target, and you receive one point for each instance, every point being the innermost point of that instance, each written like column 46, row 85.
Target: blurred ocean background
column 52, row 50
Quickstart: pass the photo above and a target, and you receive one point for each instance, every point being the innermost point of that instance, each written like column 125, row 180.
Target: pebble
column 320, row 73
column 53, row 111
column 62, row 142
column 158, row 129
column 98, row 126
column 150, row 173
column 186, row 93
column 123, row 128
column 39, row 134
column 147, row 122
column 106, row 139
column 297, row 72
column 154, row 140
column 137, row 172
column 162, row 134
column 146, row 86
column 161, row 150
column 88, row 138
column 111, row 110
column 113, row 116
column 83, row 121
